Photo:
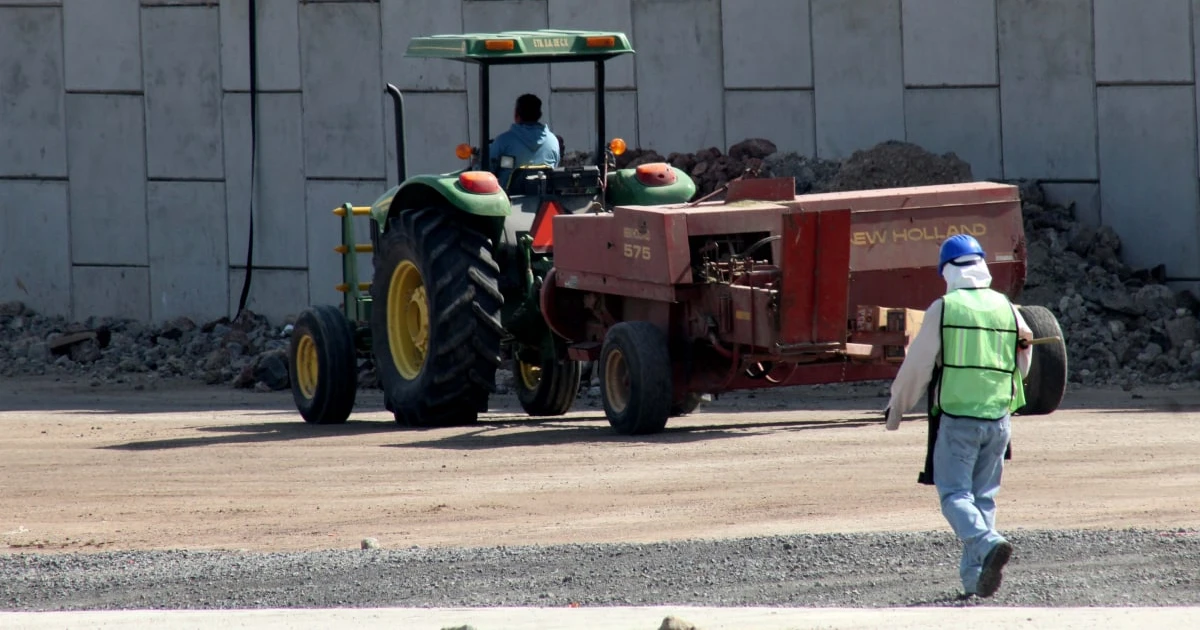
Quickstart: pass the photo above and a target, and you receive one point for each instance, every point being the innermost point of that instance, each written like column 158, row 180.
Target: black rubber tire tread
column 337, row 361
column 648, row 360
column 686, row 406
column 555, row 392
column 1047, row 380
column 462, row 285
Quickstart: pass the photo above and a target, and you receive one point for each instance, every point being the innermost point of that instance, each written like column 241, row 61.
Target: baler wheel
column 1047, row 380
column 435, row 329
column 546, row 390
column 687, row 405
column 635, row 378
column 323, row 365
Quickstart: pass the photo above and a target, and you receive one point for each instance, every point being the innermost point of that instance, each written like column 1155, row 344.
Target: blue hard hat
column 958, row 245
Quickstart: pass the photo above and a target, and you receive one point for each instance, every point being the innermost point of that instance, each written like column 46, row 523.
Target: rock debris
column 1123, row 326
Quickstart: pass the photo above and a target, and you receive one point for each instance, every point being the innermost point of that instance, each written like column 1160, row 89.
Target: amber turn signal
column 617, row 146
column 463, row 151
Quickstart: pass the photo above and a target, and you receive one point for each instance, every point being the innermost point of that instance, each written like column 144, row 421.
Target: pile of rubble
column 246, row 352
column 886, row 165
column 1123, row 326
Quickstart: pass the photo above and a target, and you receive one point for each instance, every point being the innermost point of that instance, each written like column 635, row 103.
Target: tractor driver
column 529, row 142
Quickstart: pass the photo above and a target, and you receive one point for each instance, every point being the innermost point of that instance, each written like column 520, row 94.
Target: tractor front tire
column 635, row 378
column 323, row 365
column 1047, row 380
column 435, row 318
column 546, row 390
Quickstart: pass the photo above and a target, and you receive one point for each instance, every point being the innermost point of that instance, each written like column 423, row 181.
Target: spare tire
column 1047, row 380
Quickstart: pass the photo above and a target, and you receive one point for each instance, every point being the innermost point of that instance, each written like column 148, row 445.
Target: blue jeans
column 968, row 459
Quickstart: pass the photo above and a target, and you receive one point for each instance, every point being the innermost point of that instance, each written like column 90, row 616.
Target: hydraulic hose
column 253, row 151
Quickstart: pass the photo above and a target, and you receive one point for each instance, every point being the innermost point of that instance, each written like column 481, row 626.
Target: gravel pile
column 1049, row 568
column 1123, row 326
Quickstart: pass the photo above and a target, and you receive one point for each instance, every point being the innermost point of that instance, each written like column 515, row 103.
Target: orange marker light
column 617, row 146
column 601, row 42
column 463, row 151
column 479, row 182
column 500, row 44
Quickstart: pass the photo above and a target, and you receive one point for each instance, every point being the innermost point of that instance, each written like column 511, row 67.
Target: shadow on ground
column 489, row 433
column 184, row 396
column 568, row 431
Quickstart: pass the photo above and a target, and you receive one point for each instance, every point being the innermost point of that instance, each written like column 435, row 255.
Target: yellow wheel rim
column 408, row 320
column 307, row 365
column 531, row 375
column 616, row 381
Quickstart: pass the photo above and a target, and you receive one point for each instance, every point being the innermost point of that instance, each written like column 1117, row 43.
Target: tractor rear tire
column 689, row 404
column 1047, row 380
column 635, row 378
column 435, row 318
column 546, row 390
column 323, row 364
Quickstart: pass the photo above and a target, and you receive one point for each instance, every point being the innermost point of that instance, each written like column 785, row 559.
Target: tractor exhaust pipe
column 398, row 106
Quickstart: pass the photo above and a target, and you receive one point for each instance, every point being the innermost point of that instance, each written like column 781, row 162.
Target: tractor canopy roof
column 515, row 47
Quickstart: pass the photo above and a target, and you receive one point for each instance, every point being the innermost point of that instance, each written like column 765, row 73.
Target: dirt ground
column 192, row 466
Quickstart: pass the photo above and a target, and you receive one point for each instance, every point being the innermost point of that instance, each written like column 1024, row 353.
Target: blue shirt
column 528, row 144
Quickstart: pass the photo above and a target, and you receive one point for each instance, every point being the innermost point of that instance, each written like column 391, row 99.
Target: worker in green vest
column 969, row 357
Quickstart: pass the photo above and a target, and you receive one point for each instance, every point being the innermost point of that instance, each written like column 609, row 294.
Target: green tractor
column 459, row 259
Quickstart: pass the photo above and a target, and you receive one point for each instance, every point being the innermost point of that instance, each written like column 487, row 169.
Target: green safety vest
column 979, row 374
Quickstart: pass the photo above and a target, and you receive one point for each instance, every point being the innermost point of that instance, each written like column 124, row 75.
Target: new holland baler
column 766, row 288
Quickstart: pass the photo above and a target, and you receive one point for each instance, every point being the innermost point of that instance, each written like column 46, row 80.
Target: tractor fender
column 624, row 189
column 424, row 191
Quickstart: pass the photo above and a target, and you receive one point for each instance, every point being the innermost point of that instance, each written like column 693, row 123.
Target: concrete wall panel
column 405, row 19
column 784, row 117
column 857, row 74
column 965, row 121
column 575, row 118
column 278, row 41
column 1047, row 89
column 110, row 292
column 33, row 139
column 1085, row 196
column 507, row 83
column 189, row 264
column 757, row 35
column 590, row 15
column 35, row 248
column 325, row 233
column 949, row 42
column 436, row 123
column 275, row 293
column 680, row 90
column 343, row 118
column 1147, row 40
column 183, row 92
column 280, row 233
column 103, row 45
column 1148, row 157
column 108, row 179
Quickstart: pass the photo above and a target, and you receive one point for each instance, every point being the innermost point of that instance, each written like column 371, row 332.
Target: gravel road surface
column 1050, row 568
column 206, row 498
